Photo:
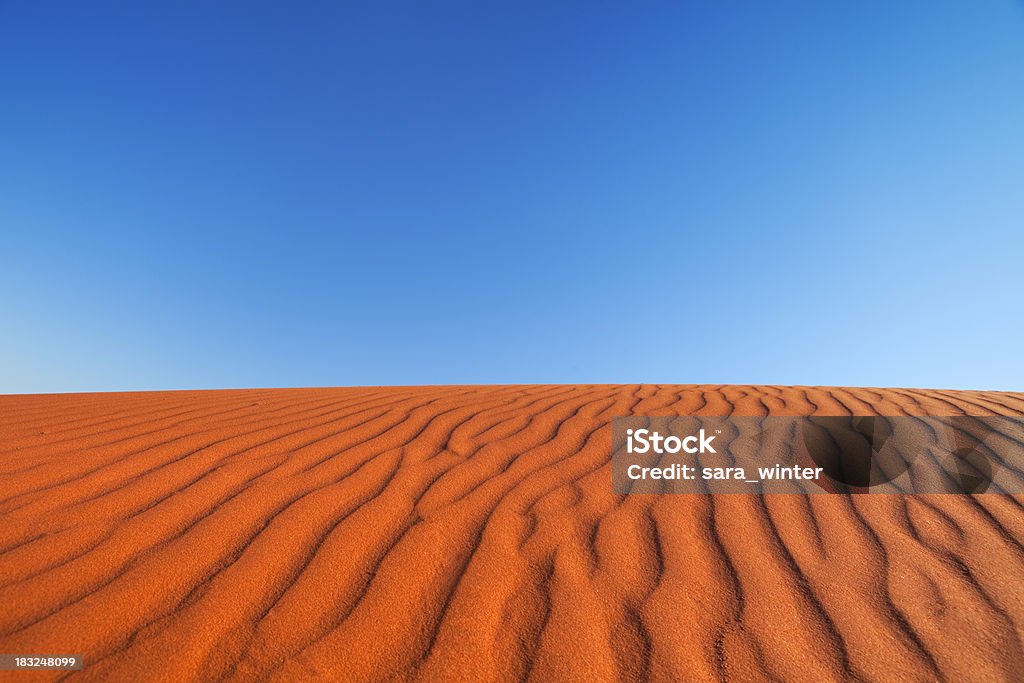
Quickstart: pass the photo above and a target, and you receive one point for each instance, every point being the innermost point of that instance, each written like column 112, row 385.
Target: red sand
column 471, row 533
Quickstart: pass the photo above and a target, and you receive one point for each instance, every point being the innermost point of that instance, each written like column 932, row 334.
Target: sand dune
column 471, row 533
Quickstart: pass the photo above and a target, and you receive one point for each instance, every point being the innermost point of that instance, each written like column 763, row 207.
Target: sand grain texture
column 471, row 533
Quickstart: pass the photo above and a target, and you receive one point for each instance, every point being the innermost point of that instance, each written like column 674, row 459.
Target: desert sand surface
column 471, row 533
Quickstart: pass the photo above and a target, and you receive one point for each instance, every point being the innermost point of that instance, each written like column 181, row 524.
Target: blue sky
column 213, row 195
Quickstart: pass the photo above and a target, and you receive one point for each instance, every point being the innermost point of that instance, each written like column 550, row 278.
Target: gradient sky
column 208, row 195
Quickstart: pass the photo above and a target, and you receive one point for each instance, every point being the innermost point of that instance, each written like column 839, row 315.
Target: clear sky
column 213, row 195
